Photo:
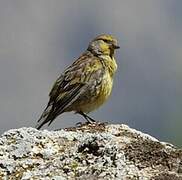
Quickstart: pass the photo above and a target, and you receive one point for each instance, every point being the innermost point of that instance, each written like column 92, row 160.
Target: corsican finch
column 86, row 84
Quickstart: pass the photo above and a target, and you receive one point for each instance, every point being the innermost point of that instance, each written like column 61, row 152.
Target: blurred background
column 39, row 38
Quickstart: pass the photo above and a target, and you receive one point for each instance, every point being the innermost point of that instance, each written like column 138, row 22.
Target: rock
column 94, row 151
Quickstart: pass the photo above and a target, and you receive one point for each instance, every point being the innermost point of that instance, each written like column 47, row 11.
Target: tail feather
column 46, row 116
column 40, row 123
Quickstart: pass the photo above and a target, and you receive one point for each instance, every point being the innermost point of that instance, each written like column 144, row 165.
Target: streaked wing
column 73, row 82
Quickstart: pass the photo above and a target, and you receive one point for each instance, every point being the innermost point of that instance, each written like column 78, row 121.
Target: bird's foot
column 91, row 124
column 79, row 124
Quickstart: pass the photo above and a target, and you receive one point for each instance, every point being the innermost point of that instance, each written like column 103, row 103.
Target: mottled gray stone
column 96, row 151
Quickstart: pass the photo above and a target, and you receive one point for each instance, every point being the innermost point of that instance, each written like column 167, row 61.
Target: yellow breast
column 103, row 90
column 107, row 81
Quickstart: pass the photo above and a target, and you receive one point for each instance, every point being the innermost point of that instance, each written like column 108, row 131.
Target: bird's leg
column 89, row 119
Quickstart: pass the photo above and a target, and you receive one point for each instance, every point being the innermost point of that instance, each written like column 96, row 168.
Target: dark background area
column 39, row 38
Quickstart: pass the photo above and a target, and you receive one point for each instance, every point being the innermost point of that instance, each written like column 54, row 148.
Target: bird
column 84, row 85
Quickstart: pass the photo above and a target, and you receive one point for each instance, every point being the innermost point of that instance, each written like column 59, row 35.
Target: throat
column 110, row 64
column 112, row 67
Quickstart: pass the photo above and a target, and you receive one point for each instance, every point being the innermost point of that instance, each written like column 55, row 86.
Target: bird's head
column 103, row 45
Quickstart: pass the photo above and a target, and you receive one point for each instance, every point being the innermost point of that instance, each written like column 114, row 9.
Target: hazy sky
column 39, row 38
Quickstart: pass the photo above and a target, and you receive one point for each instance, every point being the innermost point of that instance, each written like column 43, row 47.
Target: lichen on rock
column 90, row 151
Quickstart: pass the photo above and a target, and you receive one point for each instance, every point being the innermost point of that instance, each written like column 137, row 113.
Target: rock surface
column 91, row 152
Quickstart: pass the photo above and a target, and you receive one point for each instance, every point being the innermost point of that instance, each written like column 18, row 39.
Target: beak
column 116, row 46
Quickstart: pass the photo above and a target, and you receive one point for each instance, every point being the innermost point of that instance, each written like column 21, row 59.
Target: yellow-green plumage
column 86, row 84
